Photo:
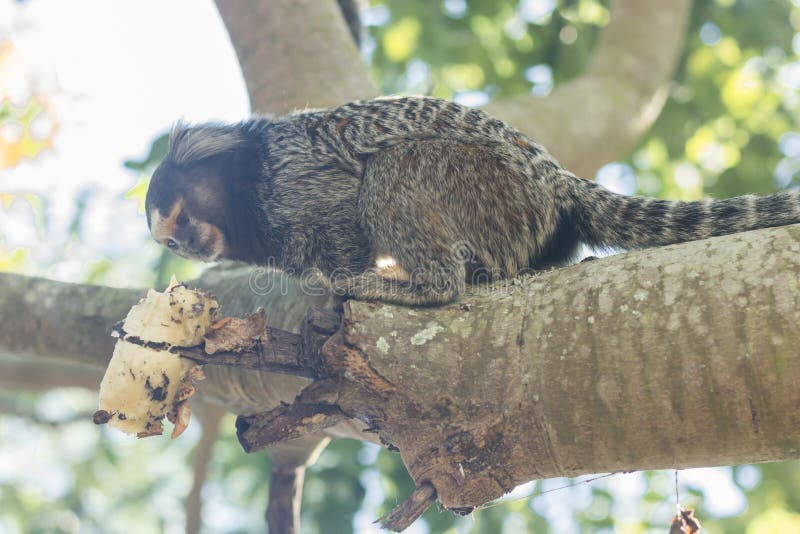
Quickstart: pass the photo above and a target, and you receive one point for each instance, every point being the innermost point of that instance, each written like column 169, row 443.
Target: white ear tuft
column 189, row 144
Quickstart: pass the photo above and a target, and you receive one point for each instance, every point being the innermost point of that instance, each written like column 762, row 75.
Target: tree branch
column 295, row 54
column 671, row 357
column 285, row 497
column 586, row 122
column 68, row 322
column 674, row 357
column 679, row 356
column 289, row 462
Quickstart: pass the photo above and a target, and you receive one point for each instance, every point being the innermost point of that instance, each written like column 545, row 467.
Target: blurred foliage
column 27, row 127
column 451, row 47
column 729, row 127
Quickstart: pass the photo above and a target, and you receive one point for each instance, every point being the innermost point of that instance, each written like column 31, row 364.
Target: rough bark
column 676, row 357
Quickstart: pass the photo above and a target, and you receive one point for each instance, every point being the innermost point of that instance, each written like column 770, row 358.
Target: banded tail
column 604, row 218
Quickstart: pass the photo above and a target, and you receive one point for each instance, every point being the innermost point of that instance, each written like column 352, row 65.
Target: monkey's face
column 186, row 235
column 184, row 213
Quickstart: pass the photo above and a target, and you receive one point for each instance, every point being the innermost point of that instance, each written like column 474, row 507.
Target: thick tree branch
column 628, row 306
column 668, row 358
column 295, row 54
column 68, row 322
column 672, row 357
column 600, row 115
column 680, row 356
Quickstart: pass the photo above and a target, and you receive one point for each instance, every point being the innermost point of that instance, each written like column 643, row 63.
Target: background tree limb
column 586, row 122
column 273, row 37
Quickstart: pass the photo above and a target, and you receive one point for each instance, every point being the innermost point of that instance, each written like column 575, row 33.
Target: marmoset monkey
column 441, row 189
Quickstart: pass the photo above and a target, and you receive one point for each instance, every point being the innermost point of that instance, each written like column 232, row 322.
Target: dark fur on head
column 196, row 204
column 437, row 191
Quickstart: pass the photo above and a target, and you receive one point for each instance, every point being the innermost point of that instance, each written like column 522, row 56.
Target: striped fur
column 604, row 218
column 448, row 193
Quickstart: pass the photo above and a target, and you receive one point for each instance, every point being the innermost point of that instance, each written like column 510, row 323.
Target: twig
column 409, row 510
column 285, row 495
column 274, row 351
column 309, row 414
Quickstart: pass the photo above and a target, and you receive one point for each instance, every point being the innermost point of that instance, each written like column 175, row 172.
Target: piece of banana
column 144, row 382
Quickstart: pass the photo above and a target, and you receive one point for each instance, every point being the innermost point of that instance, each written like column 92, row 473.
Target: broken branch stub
column 250, row 344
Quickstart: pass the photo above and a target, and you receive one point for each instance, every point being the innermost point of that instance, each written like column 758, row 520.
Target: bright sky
column 118, row 73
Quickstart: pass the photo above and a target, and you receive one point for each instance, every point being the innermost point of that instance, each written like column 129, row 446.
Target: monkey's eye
column 171, row 243
column 182, row 219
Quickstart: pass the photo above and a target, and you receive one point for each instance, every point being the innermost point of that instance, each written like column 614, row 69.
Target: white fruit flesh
column 140, row 384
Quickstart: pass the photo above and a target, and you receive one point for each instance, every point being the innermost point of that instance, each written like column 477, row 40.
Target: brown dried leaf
column 180, row 415
column 234, row 334
column 685, row 523
column 184, row 392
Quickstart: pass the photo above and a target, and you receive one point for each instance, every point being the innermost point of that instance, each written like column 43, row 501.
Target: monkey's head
column 190, row 203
